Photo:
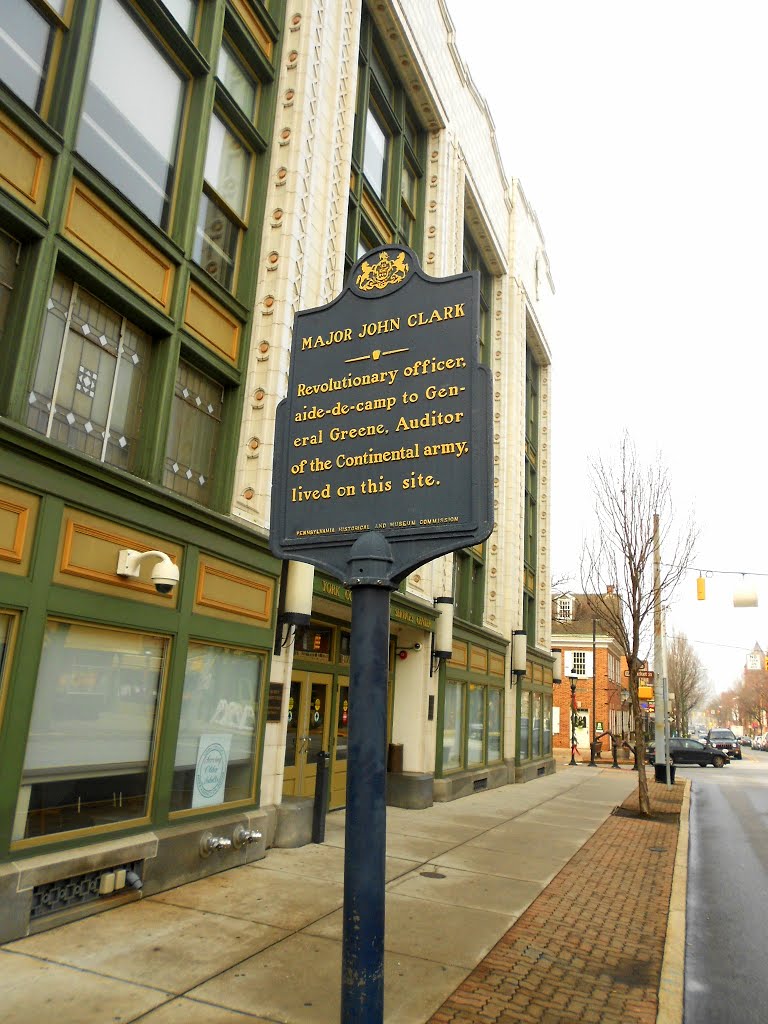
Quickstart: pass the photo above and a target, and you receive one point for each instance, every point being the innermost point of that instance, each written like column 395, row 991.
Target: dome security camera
column 164, row 576
column 417, row 647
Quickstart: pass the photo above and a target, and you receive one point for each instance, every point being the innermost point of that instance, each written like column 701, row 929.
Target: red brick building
column 593, row 659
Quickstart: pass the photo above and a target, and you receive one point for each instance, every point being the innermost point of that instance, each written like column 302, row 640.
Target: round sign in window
column 211, row 771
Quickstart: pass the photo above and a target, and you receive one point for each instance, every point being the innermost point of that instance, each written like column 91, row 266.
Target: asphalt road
column 726, row 979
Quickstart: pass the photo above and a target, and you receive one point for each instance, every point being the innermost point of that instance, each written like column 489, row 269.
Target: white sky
column 638, row 132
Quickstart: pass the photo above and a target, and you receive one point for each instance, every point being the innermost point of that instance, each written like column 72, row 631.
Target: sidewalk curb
column 671, row 983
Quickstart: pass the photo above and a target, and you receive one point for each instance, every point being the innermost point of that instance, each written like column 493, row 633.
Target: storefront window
column 494, row 723
column 88, row 760
column 130, row 124
column 525, row 720
column 536, row 725
column 547, row 726
column 476, row 746
column 215, row 750
column 6, row 623
column 453, row 726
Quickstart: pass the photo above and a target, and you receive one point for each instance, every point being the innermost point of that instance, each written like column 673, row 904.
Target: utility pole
column 661, row 724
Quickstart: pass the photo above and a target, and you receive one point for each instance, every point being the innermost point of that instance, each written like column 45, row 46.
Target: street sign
column 642, row 673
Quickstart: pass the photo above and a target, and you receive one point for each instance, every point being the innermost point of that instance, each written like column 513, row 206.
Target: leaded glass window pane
column 89, row 386
column 25, row 50
column 194, row 433
column 89, row 748
column 129, row 128
column 215, row 750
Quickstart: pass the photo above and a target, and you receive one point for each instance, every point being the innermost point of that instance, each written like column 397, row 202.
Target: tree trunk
column 643, row 799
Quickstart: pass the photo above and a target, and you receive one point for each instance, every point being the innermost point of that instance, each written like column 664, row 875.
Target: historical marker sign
column 386, row 424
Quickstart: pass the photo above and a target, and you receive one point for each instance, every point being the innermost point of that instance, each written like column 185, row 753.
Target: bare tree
column 687, row 680
column 631, row 498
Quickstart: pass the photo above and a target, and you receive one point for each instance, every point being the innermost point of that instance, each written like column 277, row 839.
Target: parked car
column 684, row 751
column 725, row 740
column 758, row 742
column 745, row 741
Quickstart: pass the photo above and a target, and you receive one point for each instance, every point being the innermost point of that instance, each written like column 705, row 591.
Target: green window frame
column 29, row 35
column 472, row 259
column 386, row 200
column 531, row 527
column 469, row 584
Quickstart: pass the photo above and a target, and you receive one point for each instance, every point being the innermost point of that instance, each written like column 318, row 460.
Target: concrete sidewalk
column 263, row 942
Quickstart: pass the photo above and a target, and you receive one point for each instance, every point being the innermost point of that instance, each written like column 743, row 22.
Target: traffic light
column 701, row 591
column 766, row 663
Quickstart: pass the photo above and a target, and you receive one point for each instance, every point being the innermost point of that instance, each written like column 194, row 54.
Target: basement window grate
column 480, row 784
column 541, row 771
column 51, row 897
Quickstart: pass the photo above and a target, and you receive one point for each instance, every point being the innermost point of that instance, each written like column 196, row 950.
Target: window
column 547, row 723
column 223, row 204
column 91, row 377
column 525, row 722
column 536, row 725
column 26, row 43
column 530, row 540
column 495, row 707
column 193, row 435
column 183, row 11
column 564, row 609
column 88, row 759
column 130, row 124
column 469, row 583
column 473, row 260
column 237, row 80
column 476, row 744
column 387, row 190
column 453, row 726
column 215, row 750
column 579, row 663
column 9, row 258
column 6, row 635
column 376, row 151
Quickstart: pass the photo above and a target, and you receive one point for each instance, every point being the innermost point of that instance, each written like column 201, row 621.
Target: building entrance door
column 308, row 730
column 339, row 752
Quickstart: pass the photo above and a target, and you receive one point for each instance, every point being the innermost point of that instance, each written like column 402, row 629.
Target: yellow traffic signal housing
column 644, row 692
column 701, row 589
column 766, row 663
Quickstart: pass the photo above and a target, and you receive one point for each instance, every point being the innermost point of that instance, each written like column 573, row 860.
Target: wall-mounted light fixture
column 519, row 655
column 294, row 606
column 164, row 575
column 442, row 638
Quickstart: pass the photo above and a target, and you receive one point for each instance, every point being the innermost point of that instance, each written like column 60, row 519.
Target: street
column 725, row 976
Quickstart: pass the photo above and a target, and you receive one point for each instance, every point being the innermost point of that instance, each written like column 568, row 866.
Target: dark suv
column 724, row 739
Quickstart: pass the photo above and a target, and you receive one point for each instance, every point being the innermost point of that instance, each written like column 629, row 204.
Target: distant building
column 590, row 655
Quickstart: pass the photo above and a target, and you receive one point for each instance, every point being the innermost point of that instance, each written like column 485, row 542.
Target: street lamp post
column 573, row 721
column 593, row 744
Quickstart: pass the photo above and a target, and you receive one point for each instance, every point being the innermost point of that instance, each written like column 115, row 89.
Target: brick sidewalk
column 575, row 956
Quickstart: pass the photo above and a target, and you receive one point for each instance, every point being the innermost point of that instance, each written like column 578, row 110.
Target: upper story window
column 184, row 12
column 223, row 204
column 579, row 663
column 376, row 151
column 387, row 192
column 565, row 609
column 473, row 260
column 130, row 124
column 26, row 42
column 91, row 377
column 241, row 85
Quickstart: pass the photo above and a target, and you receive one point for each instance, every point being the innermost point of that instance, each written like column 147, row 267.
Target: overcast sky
column 638, row 134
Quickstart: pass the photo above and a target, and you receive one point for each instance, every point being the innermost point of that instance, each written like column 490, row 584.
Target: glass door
column 339, row 753
column 307, row 731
